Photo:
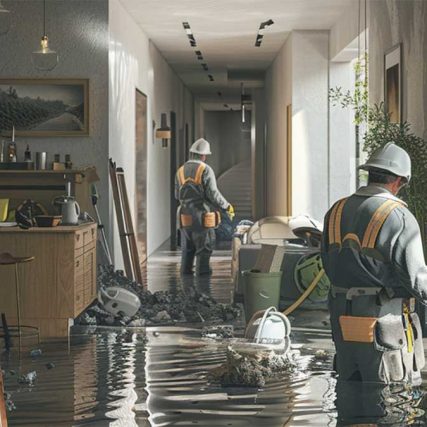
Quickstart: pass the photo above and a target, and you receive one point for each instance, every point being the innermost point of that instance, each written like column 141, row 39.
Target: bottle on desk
column 11, row 149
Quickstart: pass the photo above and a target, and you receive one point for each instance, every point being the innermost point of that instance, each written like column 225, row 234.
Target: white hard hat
column 390, row 158
column 202, row 147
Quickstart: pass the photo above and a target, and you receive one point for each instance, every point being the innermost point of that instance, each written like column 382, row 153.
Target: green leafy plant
column 357, row 99
column 381, row 131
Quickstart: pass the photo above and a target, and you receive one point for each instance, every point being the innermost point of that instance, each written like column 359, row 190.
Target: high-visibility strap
column 335, row 222
column 199, row 173
column 181, row 176
column 376, row 222
column 197, row 178
column 408, row 328
column 352, row 236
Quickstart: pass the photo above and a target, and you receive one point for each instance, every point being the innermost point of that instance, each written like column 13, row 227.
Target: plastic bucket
column 261, row 291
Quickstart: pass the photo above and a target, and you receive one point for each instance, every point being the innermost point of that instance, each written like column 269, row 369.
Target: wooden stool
column 8, row 259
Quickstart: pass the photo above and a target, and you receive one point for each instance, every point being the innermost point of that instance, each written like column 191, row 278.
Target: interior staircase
column 236, row 186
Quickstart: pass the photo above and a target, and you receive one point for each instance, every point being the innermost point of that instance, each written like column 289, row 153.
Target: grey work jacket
column 400, row 263
column 211, row 194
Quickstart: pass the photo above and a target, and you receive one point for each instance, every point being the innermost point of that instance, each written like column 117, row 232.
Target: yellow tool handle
column 305, row 294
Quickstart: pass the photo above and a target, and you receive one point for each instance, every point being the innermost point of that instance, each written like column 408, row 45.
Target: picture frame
column 393, row 83
column 44, row 107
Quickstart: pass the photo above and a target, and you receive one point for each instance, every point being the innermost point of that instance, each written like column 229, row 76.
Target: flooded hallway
column 213, row 213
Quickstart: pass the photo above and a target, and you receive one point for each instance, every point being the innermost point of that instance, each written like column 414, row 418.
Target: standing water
column 159, row 376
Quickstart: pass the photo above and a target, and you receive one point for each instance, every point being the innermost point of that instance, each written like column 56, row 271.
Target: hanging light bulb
column 44, row 59
column 4, row 19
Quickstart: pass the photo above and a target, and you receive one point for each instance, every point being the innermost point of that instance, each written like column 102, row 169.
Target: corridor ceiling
column 225, row 32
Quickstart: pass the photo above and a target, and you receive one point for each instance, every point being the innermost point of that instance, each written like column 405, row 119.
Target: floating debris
column 161, row 307
column 321, row 355
column 36, row 352
column 28, row 378
column 251, row 370
column 218, row 331
column 10, row 405
column 50, row 365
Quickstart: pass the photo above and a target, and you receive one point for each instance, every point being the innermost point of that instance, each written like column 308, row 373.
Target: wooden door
column 141, row 173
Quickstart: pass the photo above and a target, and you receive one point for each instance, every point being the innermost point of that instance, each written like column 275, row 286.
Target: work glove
column 230, row 212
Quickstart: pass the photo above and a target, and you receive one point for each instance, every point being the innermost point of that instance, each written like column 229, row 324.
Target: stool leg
column 18, row 305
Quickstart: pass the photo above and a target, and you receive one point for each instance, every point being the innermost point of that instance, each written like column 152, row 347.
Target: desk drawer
column 78, row 266
column 89, row 235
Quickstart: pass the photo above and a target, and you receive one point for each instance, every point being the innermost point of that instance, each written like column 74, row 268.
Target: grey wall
column 79, row 33
column 401, row 21
column 230, row 145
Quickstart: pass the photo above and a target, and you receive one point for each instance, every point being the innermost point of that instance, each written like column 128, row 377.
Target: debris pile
column 218, row 332
column 162, row 307
column 251, row 370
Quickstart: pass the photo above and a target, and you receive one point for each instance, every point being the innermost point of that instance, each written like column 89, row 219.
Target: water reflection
column 158, row 377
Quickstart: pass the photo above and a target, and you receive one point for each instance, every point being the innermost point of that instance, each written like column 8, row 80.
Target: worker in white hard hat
column 373, row 255
column 199, row 210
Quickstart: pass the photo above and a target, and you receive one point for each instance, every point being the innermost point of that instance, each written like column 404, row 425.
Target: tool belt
column 211, row 219
column 361, row 329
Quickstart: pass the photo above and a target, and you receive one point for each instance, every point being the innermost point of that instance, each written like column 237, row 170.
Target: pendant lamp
column 4, row 19
column 44, row 59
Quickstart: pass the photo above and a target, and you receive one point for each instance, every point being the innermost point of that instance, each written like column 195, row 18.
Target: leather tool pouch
column 357, row 329
column 186, row 220
column 211, row 219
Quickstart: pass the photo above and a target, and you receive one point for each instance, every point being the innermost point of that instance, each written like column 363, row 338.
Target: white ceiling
column 225, row 32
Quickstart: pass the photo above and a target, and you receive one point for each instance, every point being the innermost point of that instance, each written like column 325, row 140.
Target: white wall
column 278, row 94
column 299, row 76
column 134, row 62
column 310, row 123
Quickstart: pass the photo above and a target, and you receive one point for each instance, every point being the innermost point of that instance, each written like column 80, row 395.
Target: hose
column 305, row 294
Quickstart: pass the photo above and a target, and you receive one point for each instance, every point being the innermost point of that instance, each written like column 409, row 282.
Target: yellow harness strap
column 335, row 223
column 376, row 222
column 197, row 179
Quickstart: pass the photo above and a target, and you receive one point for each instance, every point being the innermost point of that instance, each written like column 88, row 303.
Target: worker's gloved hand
column 230, row 212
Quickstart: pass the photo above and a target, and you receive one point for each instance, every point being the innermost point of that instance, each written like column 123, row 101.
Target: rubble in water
column 161, row 307
column 250, row 370
column 218, row 332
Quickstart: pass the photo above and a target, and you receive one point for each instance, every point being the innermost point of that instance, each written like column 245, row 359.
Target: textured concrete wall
column 78, row 31
column 135, row 62
column 401, row 21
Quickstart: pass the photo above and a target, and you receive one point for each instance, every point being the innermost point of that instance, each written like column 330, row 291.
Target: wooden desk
column 59, row 284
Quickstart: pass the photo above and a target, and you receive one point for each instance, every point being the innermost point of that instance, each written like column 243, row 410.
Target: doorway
column 173, row 168
column 141, row 173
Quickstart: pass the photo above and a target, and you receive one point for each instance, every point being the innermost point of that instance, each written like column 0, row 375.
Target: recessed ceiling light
column 211, row 78
column 205, row 67
column 199, row 55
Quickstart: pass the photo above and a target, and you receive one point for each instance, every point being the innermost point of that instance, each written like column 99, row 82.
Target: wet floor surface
column 158, row 376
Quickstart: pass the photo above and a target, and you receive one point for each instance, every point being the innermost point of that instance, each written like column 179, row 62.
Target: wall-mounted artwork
column 44, row 107
column 393, row 83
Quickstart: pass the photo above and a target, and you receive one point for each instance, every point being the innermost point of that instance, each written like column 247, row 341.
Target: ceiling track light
column 44, row 59
column 199, row 55
column 190, row 34
column 205, row 67
column 211, row 78
column 260, row 34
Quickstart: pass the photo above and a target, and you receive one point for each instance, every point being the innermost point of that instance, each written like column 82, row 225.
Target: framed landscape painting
column 44, row 107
